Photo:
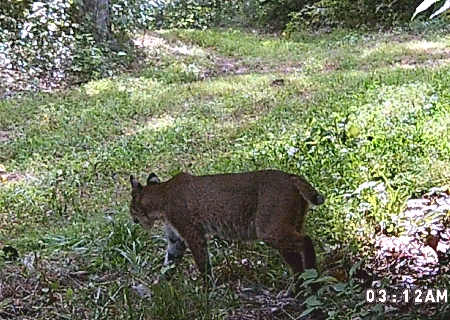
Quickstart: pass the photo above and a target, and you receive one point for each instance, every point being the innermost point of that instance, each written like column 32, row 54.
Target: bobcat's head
column 139, row 213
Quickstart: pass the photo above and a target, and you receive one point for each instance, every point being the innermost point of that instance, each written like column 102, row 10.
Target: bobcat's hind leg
column 294, row 259
column 300, row 260
column 309, row 255
column 297, row 251
column 175, row 245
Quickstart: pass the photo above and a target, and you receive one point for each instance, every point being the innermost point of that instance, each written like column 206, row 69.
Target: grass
column 354, row 107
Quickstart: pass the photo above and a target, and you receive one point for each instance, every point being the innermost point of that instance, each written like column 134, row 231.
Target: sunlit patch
column 154, row 123
column 427, row 45
column 149, row 41
column 236, row 123
column 159, row 122
column 96, row 87
column 394, row 104
column 153, row 41
column 409, row 55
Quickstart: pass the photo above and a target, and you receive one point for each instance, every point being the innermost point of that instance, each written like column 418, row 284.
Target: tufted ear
column 134, row 183
column 152, row 179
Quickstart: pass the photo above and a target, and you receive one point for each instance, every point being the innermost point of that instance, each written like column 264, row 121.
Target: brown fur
column 266, row 205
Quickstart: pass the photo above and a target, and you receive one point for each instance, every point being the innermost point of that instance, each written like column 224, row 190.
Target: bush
column 197, row 14
column 348, row 13
column 130, row 15
column 37, row 38
column 44, row 44
column 276, row 12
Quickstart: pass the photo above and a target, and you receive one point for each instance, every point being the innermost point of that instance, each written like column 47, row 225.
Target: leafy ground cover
column 342, row 109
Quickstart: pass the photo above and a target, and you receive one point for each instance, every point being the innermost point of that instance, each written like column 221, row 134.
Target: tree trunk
column 97, row 14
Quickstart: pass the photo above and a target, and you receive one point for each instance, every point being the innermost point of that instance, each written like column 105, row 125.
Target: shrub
column 45, row 43
column 37, row 38
column 347, row 13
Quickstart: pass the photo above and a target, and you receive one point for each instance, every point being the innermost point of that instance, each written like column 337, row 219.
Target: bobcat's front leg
column 196, row 241
column 199, row 250
column 175, row 245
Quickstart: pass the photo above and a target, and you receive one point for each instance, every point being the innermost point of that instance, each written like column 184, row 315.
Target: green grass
column 354, row 111
column 341, row 50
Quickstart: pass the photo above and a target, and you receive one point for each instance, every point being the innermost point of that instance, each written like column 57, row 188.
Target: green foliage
column 348, row 13
column 269, row 13
column 277, row 14
column 45, row 44
column 189, row 13
column 324, row 294
column 130, row 15
column 37, row 38
column 48, row 43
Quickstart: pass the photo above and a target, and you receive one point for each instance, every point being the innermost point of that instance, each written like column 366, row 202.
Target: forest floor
column 364, row 116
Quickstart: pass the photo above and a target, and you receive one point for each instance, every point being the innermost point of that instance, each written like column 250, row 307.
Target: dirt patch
column 8, row 177
column 5, row 136
column 209, row 63
column 330, row 67
column 236, row 66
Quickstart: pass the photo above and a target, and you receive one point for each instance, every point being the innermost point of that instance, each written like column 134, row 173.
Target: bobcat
column 267, row 205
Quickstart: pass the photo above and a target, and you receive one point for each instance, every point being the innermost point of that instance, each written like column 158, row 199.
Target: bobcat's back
column 232, row 206
column 268, row 205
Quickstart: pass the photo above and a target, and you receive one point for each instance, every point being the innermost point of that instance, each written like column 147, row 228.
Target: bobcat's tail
column 307, row 191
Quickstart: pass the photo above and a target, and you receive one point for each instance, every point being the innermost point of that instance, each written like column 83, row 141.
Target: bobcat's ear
column 152, row 179
column 134, row 183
